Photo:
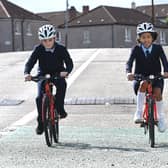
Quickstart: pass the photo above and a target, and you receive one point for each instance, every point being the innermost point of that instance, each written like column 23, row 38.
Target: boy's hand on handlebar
column 64, row 74
column 130, row 76
column 28, row 77
column 165, row 74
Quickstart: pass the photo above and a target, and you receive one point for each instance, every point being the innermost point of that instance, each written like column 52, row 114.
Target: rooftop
column 10, row 10
column 107, row 15
column 160, row 10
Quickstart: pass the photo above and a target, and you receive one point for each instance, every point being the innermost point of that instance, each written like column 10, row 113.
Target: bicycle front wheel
column 56, row 128
column 47, row 121
column 151, row 123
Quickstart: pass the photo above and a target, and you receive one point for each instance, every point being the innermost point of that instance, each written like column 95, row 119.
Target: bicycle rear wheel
column 48, row 130
column 56, row 128
column 151, row 123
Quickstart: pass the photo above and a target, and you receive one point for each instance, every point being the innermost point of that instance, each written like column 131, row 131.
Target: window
column 86, row 37
column 127, row 34
column 162, row 37
column 58, row 36
column 163, row 9
column 29, row 30
column 17, row 28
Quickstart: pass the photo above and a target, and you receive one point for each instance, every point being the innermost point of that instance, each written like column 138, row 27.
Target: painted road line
column 81, row 69
column 32, row 115
column 26, row 119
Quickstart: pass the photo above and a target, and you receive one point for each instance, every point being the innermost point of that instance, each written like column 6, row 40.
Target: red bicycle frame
column 48, row 91
column 148, row 96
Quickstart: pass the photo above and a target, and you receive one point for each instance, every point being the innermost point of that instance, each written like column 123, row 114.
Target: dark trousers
column 60, row 96
column 156, row 84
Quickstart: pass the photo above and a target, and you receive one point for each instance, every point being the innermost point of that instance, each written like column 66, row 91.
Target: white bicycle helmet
column 146, row 28
column 46, row 32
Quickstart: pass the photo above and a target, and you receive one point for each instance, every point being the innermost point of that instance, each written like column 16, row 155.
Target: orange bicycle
column 50, row 116
column 150, row 114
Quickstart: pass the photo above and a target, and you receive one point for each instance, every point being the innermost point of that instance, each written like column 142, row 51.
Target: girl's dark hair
column 154, row 36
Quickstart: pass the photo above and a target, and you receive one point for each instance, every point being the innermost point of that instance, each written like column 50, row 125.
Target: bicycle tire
column 151, row 123
column 56, row 128
column 48, row 130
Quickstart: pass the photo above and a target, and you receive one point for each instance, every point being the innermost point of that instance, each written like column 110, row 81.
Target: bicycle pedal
column 142, row 125
column 145, row 131
column 139, row 122
column 57, row 118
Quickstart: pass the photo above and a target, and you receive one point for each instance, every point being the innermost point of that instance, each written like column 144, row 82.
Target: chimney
column 85, row 9
column 72, row 12
column 133, row 5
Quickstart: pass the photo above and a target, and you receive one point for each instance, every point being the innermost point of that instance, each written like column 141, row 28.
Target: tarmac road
column 93, row 136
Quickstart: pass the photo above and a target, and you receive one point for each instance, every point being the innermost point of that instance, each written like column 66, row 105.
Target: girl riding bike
column 148, row 57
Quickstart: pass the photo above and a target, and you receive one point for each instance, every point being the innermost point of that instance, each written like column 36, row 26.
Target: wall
column 31, row 39
column 5, row 35
column 119, row 36
column 166, row 32
column 22, row 39
column 100, row 36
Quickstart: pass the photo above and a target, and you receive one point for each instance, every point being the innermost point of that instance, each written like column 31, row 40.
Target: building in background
column 102, row 27
column 108, row 27
column 58, row 18
column 161, row 11
column 18, row 27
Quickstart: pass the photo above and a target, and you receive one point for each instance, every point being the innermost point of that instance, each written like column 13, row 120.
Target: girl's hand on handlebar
column 130, row 76
column 165, row 74
column 64, row 74
column 28, row 77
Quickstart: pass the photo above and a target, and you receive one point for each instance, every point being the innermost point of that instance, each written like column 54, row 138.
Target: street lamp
column 66, row 24
column 153, row 12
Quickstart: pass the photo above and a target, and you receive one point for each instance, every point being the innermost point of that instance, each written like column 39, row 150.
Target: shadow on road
column 162, row 145
column 83, row 146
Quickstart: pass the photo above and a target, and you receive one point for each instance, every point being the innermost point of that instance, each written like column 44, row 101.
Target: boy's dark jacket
column 150, row 65
column 50, row 63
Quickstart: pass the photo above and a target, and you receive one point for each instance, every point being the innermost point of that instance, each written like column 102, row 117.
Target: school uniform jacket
column 50, row 62
column 147, row 65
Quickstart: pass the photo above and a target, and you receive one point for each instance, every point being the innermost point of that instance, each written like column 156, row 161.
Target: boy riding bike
column 51, row 58
column 147, row 57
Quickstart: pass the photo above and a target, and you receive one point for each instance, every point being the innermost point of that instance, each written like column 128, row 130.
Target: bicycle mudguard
column 45, row 100
column 145, row 114
column 155, row 112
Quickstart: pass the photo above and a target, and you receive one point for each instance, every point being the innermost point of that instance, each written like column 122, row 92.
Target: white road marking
column 23, row 121
column 32, row 115
column 26, row 119
column 81, row 69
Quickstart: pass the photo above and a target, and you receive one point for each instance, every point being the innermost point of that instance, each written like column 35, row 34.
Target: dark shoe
column 39, row 129
column 63, row 115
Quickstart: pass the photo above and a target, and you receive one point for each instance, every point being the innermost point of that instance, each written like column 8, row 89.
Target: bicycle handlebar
column 46, row 77
column 140, row 77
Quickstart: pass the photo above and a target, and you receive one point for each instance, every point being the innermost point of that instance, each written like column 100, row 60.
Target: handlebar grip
column 38, row 78
column 150, row 77
column 35, row 78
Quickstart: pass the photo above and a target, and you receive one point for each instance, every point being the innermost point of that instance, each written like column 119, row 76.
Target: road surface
column 93, row 136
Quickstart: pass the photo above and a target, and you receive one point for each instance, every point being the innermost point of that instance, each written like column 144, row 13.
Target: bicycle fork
column 149, row 104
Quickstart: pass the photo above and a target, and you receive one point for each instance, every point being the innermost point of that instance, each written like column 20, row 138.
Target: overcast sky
column 59, row 5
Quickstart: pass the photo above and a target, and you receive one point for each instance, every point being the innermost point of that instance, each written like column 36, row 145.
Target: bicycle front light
column 151, row 77
column 48, row 76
